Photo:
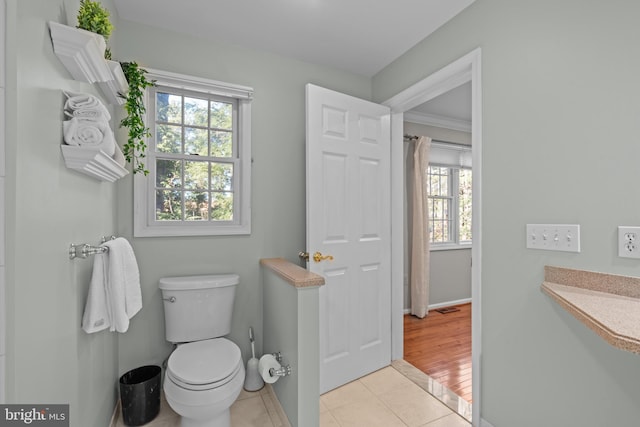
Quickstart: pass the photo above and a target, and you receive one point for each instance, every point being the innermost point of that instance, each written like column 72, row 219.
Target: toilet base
column 222, row 420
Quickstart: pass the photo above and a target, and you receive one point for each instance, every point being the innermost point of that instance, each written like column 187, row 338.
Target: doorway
column 464, row 70
column 439, row 344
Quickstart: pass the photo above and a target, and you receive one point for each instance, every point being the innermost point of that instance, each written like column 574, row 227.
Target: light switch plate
column 554, row 237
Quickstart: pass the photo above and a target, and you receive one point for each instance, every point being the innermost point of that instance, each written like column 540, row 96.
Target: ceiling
column 451, row 110
column 360, row 36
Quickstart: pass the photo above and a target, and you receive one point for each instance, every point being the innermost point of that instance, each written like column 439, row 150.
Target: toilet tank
column 198, row 307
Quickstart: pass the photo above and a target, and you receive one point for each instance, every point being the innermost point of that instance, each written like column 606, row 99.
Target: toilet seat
column 204, row 365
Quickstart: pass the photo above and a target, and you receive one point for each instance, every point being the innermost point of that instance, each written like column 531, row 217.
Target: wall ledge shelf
column 82, row 54
column 606, row 303
column 291, row 273
column 93, row 162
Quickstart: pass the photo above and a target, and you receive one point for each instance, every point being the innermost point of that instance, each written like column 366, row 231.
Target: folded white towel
column 123, row 284
column 83, row 132
column 96, row 311
column 88, row 113
column 114, row 292
column 85, row 105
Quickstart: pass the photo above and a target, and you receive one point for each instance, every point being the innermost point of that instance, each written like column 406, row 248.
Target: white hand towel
column 85, row 105
column 96, row 310
column 83, row 132
column 123, row 283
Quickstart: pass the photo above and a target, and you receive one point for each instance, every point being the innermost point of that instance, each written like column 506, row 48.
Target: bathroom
column 49, row 357
column 527, row 340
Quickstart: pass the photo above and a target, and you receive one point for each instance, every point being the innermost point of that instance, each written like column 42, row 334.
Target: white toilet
column 205, row 373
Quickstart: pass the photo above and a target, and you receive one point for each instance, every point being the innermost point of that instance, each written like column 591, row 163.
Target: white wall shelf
column 82, row 53
column 93, row 162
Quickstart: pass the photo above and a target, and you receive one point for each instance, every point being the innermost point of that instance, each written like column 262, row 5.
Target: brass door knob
column 317, row 257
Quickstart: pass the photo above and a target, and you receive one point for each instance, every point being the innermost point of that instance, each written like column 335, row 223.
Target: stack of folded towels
column 88, row 125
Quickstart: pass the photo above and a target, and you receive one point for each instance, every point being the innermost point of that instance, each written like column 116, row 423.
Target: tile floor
column 386, row 398
column 252, row 409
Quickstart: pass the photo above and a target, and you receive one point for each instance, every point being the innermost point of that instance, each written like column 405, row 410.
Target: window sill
column 142, row 230
column 449, row 247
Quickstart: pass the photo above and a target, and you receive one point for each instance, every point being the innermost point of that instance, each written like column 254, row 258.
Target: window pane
column 196, row 206
column 222, row 206
column 196, row 141
column 195, row 112
column 168, row 139
column 196, row 175
column 465, row 203
column 168, row 108
column 168, row 205
column 168, row 173
column 221, row 144
column 221, row 115
column 438, row 181
column 221, row 176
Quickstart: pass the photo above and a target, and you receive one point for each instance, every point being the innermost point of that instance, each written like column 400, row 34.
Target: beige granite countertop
column 606, row 303
column 293, row 274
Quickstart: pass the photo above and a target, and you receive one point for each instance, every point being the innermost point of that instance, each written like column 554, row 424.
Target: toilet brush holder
column 252, row 380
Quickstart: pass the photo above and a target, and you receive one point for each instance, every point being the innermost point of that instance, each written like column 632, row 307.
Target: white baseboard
column 443, row 304
column 449, row 303
column 284, row 420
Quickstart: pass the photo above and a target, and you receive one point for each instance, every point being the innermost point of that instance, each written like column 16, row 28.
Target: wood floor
column 440, row 346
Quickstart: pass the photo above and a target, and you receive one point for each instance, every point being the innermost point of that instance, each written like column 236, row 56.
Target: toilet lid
column 204, row 362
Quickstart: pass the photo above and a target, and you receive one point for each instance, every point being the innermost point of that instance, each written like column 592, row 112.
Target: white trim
column 467, row 68
column 437, row 121
column 199, row 84
column 437, row 247
column 450, row 303
column 442, row 304
column 449, row 155
column 485, row 423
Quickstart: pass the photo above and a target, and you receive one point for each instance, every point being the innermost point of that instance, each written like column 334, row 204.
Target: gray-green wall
column 560, row 145
column 49, row 358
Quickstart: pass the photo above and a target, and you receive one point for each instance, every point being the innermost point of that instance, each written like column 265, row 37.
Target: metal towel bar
column 83, row 250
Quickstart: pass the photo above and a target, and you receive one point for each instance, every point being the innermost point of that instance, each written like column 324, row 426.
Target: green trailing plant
column 95, row 18
column 135, row 148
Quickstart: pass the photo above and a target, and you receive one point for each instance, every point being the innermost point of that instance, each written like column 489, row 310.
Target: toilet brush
column 252, row 381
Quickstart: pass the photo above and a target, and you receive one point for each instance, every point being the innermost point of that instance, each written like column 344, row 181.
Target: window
column 199, row 159
column 449, row 193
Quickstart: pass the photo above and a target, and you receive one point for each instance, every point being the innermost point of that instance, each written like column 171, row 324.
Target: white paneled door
column 349, row 225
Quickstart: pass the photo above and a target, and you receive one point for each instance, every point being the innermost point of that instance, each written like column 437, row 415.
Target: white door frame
column 453, row 75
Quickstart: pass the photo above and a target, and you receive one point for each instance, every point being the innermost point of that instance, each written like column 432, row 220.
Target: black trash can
column 140, row 395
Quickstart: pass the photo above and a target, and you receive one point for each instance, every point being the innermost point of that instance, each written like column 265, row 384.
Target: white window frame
column 453, row 157
column 145, row 223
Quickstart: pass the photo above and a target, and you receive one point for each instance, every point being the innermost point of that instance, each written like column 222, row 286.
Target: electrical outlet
column 554, row 237
column 628, row 242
